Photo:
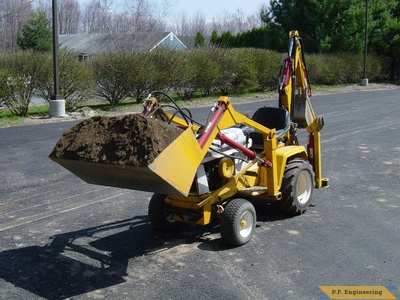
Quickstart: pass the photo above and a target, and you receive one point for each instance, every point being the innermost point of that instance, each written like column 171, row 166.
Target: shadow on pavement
column 95, row 258
column 86, row 260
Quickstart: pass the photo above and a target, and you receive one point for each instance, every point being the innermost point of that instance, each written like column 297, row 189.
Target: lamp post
column 364, row 79
column 57, row 102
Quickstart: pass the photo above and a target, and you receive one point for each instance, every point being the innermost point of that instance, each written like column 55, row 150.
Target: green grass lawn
column 8, row 119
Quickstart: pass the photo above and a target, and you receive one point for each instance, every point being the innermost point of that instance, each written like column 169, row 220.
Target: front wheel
column 159, row 215
column 238, row 222
column 297, row 187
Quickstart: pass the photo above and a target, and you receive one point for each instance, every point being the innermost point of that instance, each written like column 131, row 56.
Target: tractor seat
column 270, row 117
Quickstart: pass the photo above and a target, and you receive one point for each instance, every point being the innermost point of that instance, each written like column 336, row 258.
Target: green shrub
column 109, row 70
column 141, row 74
column 166, row 62
column 267, row 64
column 226, row 74
column 206, row 70
column 19, row 78
column 321, row 69
column 245, row 71
column 237, row 70
column 75, row 79
column 344, row 68
column 184, row 76
column 378, row 68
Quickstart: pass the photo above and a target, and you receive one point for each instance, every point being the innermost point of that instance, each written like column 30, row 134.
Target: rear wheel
column 238, row 222
column 297, row 187
column 159, row 216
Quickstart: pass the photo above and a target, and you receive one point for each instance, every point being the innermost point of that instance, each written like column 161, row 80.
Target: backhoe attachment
column 294, row 96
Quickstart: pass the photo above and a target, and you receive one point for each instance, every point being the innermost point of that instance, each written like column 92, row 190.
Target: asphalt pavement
column 63, row 238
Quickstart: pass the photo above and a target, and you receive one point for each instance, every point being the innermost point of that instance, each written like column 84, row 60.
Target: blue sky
column 211, row 8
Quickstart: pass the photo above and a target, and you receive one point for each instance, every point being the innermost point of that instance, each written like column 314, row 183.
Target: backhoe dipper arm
column 293, row 78
column 294, row 74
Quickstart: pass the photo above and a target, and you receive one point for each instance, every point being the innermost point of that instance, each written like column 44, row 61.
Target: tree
column 227, row 39
column 214, row 38
column 330, row 26
column 199, row 40
column 255, row 38
column 384, row 37
column 36, row 33
column 145, row 16
column 316, row 20
column 69, row 14
column 181, row 25
column 97, row 17
column 337, row 26
column 12, row 15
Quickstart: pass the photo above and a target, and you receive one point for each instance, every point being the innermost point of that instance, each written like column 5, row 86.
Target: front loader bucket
column 172, row 172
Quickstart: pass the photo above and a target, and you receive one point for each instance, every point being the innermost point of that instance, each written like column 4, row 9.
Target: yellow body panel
column 284, row 154
column 178, row 163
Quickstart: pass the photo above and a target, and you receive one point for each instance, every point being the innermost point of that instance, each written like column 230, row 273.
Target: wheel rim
column 304, row 187
column 168, row 215
column 246, row 224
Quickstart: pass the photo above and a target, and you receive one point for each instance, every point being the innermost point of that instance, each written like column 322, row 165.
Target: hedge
column 25, row 73
column 204, row 71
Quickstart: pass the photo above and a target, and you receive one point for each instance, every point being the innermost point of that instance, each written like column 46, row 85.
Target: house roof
column 140, row 41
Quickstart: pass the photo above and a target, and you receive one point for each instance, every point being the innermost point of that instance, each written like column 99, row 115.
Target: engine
column 221, row 161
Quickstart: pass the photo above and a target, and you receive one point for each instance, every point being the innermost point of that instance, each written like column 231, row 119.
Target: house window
column 83, row 57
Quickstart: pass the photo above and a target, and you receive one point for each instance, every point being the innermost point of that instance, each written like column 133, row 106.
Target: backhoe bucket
column 172, row 172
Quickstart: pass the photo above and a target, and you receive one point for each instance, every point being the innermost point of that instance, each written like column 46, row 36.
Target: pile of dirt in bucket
column 131, row 140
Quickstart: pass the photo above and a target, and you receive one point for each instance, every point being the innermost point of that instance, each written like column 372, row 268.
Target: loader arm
column 223, row 116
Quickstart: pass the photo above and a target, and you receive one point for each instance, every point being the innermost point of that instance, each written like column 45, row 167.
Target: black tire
column 158, row 213
column 297, row 187
column 238, row 222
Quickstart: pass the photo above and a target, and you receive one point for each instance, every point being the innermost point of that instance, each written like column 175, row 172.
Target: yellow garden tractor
column 215, row 169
